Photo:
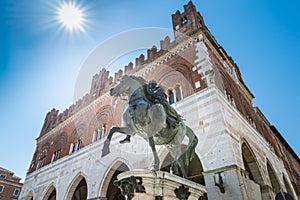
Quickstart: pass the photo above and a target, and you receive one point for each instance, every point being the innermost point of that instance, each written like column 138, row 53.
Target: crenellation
column 66, row 113
column 128, row 68
column 71, row 110
column 139, row 61
column 59, row 119
column 78, row 104
column 151, row 53
column 118, row 75
column 165, row 43
column 177, row 14
column 99, row 83
column 86, row 99
column 104, row 83
column 94, row 84
column 188, row 6
column 49, row 120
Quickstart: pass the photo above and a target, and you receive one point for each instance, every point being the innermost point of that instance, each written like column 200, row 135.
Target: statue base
column 159, row 185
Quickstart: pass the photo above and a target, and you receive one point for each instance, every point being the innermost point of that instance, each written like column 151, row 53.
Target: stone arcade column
column 149, row 185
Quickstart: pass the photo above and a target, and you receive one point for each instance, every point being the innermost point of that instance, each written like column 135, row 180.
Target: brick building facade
column 10, row 186
column 205, row 85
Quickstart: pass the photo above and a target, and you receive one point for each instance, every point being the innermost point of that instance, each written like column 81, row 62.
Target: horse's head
column 127, row 85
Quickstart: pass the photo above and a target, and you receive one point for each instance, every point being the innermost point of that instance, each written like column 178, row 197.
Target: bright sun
column 71, row 17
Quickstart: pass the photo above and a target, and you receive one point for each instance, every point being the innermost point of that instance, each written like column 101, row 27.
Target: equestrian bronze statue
column 150, row 116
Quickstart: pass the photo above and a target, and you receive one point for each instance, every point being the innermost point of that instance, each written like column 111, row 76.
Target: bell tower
column 188, row 22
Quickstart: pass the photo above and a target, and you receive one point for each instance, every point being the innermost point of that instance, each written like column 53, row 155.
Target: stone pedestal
column 149, row 185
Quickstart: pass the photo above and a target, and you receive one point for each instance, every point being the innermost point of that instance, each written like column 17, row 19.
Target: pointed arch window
column 56, row 155
column 103, row 131
column 178, row 92
column 171, row 97
column 75, row 146
column 96, row 135
column 100, row 132
column 42, row 158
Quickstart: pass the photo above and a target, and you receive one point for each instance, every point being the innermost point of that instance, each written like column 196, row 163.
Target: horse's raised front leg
column 105, row 149
column 156, row 159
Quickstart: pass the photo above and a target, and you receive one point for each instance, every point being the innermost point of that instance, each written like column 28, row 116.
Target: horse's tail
column 193, row 141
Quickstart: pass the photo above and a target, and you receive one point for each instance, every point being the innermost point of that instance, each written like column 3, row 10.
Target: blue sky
column 39, row 61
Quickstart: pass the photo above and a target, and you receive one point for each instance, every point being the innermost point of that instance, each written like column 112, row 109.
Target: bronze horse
column 150, row 121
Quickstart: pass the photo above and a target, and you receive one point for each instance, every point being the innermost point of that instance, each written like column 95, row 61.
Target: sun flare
column 71, row 17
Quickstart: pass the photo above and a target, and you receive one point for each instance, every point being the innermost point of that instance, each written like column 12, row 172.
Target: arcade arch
column 50, row 193
column 108, row 190
column 250, row 164
column 251, row 168
column 78, row 189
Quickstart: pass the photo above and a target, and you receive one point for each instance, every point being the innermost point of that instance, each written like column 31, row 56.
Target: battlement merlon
column 49, row 119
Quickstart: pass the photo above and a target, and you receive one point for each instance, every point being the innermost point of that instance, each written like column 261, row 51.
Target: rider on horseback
column 156, row 94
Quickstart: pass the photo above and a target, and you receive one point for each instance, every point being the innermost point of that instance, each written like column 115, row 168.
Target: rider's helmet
column 152, row 84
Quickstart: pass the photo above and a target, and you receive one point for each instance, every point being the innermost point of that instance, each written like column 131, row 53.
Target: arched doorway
column 108, row 189
column 50, row 194
column 78, row 189
column 273, row 179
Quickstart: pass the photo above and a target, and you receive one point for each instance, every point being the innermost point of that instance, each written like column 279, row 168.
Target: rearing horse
column 149, row 120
